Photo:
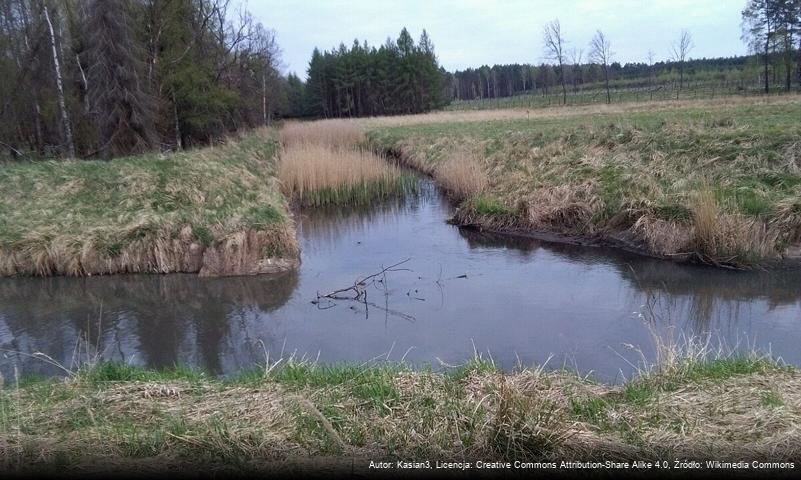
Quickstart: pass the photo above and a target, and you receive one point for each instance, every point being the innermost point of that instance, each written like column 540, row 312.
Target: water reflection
column 700, row 299
column 147, row 319
column 515, row 298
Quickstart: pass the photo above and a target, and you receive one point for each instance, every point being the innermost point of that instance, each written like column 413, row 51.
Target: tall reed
column 316, row 174
column 461, row 175
column 335, row 134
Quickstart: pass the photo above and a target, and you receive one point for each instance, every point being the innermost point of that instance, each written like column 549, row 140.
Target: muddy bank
column 248, row 252
column 623, row 239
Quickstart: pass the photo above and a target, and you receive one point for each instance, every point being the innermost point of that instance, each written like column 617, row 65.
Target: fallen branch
column 359, row 293
column 358, row 287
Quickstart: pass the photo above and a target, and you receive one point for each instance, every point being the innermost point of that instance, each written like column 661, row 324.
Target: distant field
column 715, row 180
column 596, row 94
column 216, row 210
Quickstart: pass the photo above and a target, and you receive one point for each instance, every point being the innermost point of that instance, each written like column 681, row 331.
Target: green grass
column 87, row 216
column 592, row 172
column 121, row 416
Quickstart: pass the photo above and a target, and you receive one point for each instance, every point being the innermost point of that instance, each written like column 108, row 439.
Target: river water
column 460, row 293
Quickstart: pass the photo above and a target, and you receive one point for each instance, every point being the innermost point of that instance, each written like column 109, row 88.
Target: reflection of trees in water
column 695, row 298
column 161, row 320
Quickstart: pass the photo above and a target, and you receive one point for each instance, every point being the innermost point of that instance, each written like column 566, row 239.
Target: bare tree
column 65, row 118
column 575, row 60
column 601, row 53
column 680, row 49
column 555, row 51
column 651, row 56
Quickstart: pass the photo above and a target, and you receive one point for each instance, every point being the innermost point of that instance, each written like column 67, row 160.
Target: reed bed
column 324, row 163
column 335, row 134
column 316, row 175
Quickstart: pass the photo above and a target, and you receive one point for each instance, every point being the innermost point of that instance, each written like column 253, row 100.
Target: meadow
column 622, row 91
column 715, row 181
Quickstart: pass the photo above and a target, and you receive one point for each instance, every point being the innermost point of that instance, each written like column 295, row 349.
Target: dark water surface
column 516, row 300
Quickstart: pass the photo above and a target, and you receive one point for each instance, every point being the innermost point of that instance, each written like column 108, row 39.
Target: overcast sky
column 470, row 33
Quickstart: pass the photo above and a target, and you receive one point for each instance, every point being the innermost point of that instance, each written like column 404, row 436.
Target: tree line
column 399, row 77
column 771, row 28
column 99, row 78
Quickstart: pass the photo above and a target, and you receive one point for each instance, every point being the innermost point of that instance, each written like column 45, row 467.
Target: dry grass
column 692, row 407
column 724, row 237
column 322, row 163
column 335, row 133
column 533, row 115
column 461, row 174
column 569, row 208
column 716, row 180
column 216, row 211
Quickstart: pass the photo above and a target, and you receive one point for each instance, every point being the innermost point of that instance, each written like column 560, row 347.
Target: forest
column 98, row 79
column 399, row 77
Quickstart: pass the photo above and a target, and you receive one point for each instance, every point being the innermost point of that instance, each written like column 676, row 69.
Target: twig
column 358, row 285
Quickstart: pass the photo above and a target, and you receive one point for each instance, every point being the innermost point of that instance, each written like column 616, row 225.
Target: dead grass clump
column 725, row 238
column 787, row 219
column 246, row 252
column 664, row 237
column 461, row 175
column 564, row 208
column 335, row 134
column 526, row 426
column 317, row 174
column 251, row 252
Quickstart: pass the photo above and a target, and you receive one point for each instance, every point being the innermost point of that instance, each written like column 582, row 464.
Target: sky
column 471, row 33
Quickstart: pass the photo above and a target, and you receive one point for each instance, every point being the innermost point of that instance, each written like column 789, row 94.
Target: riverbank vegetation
column 712, row 181
column 327, row 162
column 215, row 211
column 114, row 417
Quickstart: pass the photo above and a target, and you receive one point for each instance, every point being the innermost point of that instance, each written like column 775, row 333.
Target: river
column 460, row 293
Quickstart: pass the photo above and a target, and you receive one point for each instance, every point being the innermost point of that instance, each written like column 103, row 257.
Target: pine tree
column 122, row 109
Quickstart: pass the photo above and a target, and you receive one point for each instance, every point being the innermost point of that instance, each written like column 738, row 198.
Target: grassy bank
column 714, row 181
column 326, row 162
column 118, row 417
column 215, row 211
